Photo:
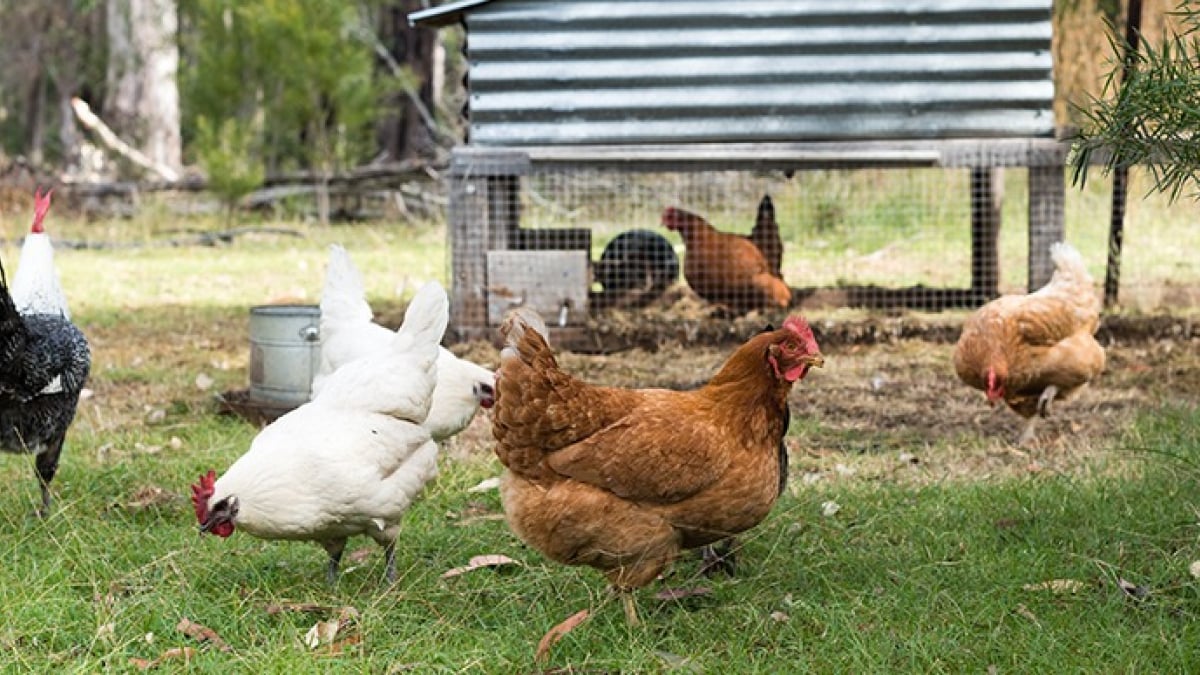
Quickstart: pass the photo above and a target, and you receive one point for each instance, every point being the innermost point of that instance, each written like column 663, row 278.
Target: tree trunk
column 143, row 95
column 402, row 131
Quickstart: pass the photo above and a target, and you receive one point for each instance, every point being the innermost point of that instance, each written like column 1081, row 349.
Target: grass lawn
column 898, row 547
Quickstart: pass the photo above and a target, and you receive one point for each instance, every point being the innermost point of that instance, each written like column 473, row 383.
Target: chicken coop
column 629, row 156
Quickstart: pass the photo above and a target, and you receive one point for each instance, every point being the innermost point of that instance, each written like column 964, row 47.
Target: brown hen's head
column 995, row 386
column 220, row 519
column 678, row 220
column 795, row 351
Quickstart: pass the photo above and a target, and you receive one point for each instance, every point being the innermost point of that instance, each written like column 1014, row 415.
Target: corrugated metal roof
column 666, row 71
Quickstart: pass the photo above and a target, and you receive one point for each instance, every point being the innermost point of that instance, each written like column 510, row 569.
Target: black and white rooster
column 44, row 361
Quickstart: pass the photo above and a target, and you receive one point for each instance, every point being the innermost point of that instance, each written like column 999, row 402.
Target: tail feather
column 514, row 326
column 343, row 298
column 426, row 318
column 1072, row 281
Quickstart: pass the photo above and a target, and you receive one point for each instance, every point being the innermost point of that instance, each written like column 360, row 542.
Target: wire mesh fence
column 705, row 243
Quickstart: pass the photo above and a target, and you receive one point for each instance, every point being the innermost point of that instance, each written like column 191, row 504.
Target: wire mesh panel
column 731, row 242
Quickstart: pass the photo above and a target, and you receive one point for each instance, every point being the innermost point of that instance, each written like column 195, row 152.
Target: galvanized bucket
column 285, row 351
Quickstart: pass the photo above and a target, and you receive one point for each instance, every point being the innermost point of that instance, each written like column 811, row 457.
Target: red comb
column 800, row 327
column 41, row 204
column 201, row 492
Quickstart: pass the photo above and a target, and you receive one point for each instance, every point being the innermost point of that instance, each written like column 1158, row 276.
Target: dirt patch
column 886, row 406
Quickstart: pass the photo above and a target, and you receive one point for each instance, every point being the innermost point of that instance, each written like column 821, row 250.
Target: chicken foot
column 1047, row 397
column 719, row 557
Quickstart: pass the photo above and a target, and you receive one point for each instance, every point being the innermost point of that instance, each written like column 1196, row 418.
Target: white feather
column 35, row 287
column 351, row 460
column 348, row 333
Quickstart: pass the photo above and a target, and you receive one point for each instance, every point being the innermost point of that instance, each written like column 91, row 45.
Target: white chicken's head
column 218, row 518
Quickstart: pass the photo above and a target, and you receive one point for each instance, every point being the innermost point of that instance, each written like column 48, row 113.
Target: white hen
column 348, row 332
column 348, row 462
column 35, row 287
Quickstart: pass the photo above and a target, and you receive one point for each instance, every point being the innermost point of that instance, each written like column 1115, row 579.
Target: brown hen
column 622, row 480
column 1029, row 350
column 726, row 269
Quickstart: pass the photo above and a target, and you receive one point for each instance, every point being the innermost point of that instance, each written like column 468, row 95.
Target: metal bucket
column 285, row 351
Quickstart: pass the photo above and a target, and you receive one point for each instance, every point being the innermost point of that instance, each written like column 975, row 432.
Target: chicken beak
column 815, row 360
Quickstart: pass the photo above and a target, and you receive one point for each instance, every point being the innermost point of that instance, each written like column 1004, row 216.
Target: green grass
column 908, row 576
column 900, row 579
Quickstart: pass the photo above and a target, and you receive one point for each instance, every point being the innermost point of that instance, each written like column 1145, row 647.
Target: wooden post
column 1046, row 190
column 987, row 198
column 484, row 214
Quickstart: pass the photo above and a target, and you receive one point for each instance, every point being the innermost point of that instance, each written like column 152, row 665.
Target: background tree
column 51, row 51
column 142, row 105
column 1153, row 117
column 290, row 75
column 408, row 126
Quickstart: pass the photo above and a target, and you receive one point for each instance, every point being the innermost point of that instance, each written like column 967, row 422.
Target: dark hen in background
column 635, row 269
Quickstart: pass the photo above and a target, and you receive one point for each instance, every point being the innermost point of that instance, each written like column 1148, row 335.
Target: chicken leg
column 1044, row 401
column 389, row 552
column 334, row 548
column 46, row 466
column 627, row 600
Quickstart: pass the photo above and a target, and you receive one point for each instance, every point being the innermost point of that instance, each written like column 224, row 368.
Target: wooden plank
column 987, row 199
column 554, row 283
column 468, row 215
column 1046, row 194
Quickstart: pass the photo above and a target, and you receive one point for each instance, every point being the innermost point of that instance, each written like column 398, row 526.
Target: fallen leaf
column 482, row 518
column 555, row 634
column 780, row 617
column 1133, row 590
column 185, row 653
column 1058, row 586
column 105, row 631
column 1024, row 611
column 485, row 485
column 478, row 562
column 307, row 607
column 360, row 554
column 680, row 593
column 322, row 633
column 204, row 382
column 830, row 508
column 326, row 632
column 150, row 495
column 1194, row 569
column 342, row 645
column 202, row 633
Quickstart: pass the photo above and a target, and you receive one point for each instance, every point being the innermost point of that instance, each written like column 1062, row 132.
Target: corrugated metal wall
column 682, row 71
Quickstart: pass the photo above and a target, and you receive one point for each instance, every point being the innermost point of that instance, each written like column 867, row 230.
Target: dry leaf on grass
column 480, row 562
column 359, row 554
column 555, row 634
column 202, row 633
column 1058, row 586
column 306, row 607
column 185, row 653
column 1194, row 569
column 148, row 496
column 1133, row 590
column 327, row 632
column 485, row 485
